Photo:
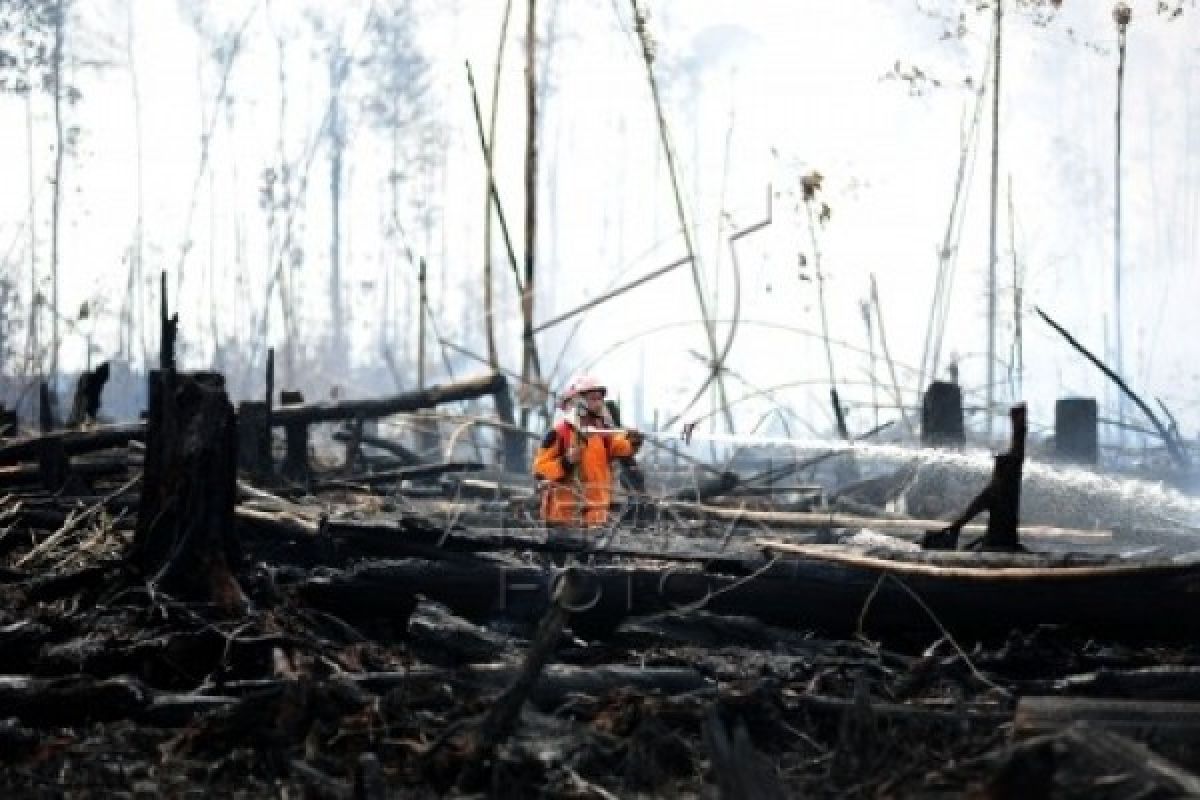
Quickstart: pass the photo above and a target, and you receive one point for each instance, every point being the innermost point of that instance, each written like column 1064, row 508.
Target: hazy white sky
column 757, row 94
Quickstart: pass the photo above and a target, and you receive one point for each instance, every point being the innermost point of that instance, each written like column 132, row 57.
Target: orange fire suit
column 578, row 494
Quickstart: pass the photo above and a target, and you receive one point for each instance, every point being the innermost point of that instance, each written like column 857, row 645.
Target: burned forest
column 546, row 398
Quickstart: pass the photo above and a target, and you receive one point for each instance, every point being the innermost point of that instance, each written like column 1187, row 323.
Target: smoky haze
column 289, row 165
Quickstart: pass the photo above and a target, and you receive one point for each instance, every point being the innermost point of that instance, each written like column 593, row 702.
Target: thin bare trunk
column 530, row 370
column 1122, row 17
column 33, row 342
column 990, row 392
column 230, row 56
column 136, row 297
column 208, row 125
column 887, row 356
column 337, row 75
column 488, row 297
column 56, row 202
column 669, row 154
column 812, row 232
column 280, row 241
column 948, row 255
column 1017, row 367
column 866, row 315
column 422, row 303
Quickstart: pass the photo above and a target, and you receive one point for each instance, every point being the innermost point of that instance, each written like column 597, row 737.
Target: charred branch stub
column 185, row 541
column 1000, row 498
column 86, row 405
column 295, row 461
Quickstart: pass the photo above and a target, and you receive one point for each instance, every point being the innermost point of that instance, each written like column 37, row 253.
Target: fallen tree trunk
column 554, row 685
column 73, row 442
column 911, row 528
column 308, row 413
column 71, row 701
column 406, row 456
column 1181, row 683
column 28, row 475
column 397, row 475
column 1083, row 753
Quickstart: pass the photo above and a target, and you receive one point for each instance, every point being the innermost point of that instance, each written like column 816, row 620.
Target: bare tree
column 396, row 103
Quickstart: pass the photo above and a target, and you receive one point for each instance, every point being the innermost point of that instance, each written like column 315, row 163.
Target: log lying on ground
column 29, row 475
column 836, row 595
column 483, row 489
column 1141, row 717
column 73, row 442
column 555, row 684
column 406, row 456
column 71, row 701
column 300, row 539
column 1083, row 755
column 387, row 476
column 911, row 528
column 711, row 486
column 1180, row 683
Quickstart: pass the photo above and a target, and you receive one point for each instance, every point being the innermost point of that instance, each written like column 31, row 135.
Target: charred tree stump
column 515, row 451
column 1000, row 498
column 718, row 484
column 295, row 462
column 254, row 439
column 46, row 408
column 86, row 404
column 254, row 429
column 942, row 416
column 353, row 442
column 1075, row 437
column 8, row 424
column 54, row 468
column 184, row 540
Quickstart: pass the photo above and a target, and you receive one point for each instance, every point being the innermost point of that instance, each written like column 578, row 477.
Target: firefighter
column 574, row 462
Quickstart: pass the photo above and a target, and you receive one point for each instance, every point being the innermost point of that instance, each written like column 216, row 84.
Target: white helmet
column 580, row 384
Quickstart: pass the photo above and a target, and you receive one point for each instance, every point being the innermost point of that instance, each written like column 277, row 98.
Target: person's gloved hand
column 635, row 438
